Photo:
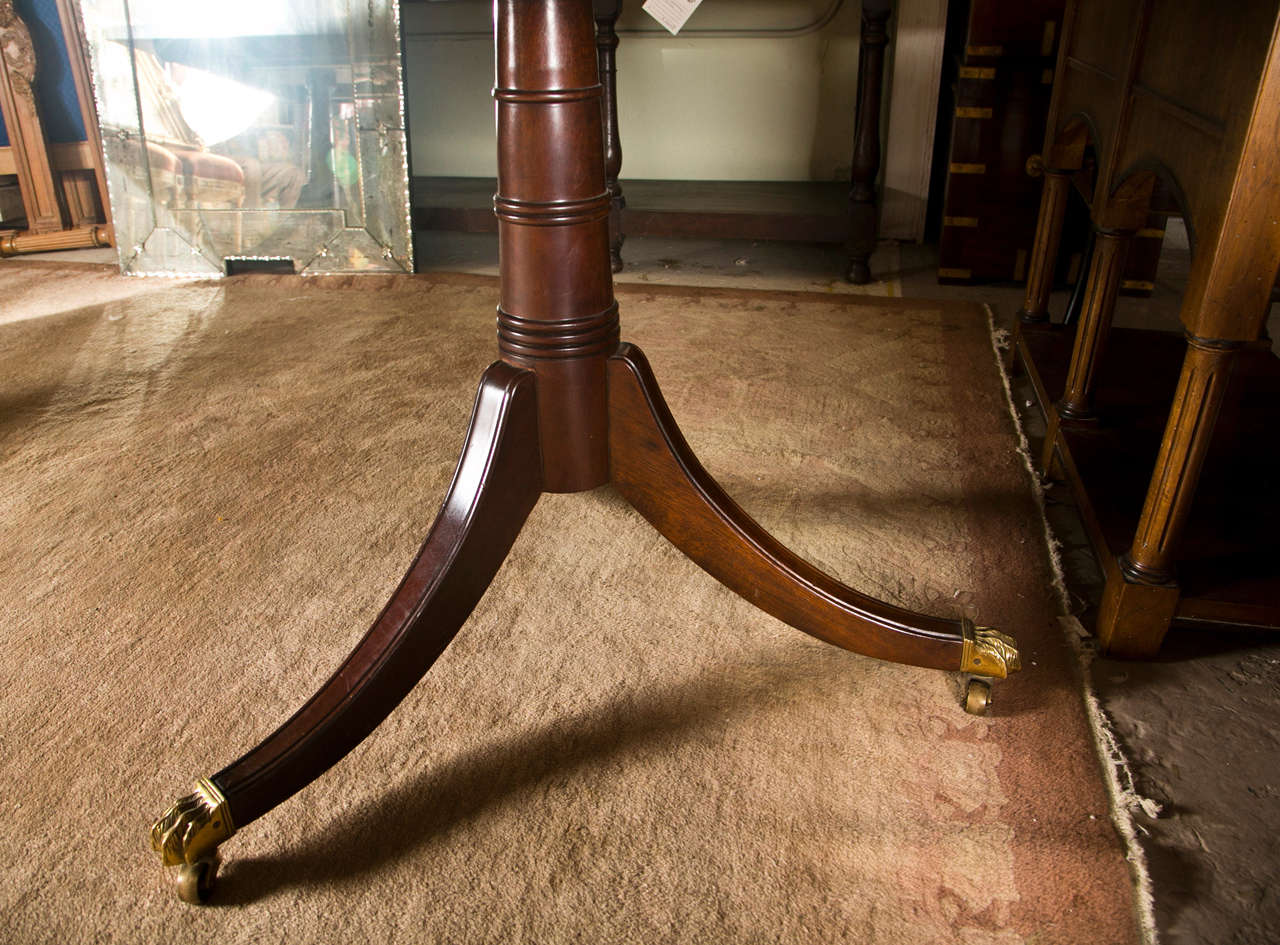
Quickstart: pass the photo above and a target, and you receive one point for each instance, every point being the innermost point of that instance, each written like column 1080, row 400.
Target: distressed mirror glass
column 253, row 134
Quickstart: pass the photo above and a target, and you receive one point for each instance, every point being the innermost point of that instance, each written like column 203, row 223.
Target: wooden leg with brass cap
column 187, row 836
column 497, row 484
column 656, row 471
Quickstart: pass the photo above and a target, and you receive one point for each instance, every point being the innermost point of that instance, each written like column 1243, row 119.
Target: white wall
column 918, row 31
column 750, row 90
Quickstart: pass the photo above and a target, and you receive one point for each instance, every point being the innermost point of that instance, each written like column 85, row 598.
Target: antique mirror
column 253, row 134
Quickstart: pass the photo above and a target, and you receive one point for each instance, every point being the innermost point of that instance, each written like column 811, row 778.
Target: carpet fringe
column 1126, row 799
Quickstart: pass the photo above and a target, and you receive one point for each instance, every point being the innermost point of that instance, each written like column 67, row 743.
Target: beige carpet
column 208, row 490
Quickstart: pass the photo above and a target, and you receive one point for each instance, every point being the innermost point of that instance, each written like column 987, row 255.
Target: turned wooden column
column 606, row 15
column 863, row 211
column 1105, row 271
column 1206, row 369
column 1044, row 250
column 1141, row 596
column 23, row 241
column 557, row 316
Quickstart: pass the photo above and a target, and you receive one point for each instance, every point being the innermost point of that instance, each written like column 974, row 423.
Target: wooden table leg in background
column 49, row 225
column 1044, row 249
column 864, row 215
column 606, row 14
column 566, row 409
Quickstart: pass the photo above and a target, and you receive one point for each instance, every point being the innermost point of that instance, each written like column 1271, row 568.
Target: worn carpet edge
column 1126, row 800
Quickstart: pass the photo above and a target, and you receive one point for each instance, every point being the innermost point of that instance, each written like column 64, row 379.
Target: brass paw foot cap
column 191, row 829
column 988, row 652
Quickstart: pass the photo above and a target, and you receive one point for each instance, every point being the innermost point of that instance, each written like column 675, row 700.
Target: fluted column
column 1141, row 595
column 1206, row 370
column 11, row 244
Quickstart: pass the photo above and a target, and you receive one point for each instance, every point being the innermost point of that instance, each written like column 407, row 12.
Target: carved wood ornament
column 26, row 135
column 49, row 225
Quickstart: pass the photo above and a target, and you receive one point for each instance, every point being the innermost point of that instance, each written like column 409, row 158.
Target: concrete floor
column 1198, row 727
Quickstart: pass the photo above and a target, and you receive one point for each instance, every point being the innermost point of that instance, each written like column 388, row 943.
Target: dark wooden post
column 557, row 316
column 606, row 14
column 863, row 209
column 1044, row 251
column 1105, row 271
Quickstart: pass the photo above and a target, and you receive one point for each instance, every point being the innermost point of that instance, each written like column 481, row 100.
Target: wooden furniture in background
column 864, row 216
column 1000, row 83
column 63, row 187
column 806, row 211
column 999, row 90
column 568, row 408
column 1168, row 442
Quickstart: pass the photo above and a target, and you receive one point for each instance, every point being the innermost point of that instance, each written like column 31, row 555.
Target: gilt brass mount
column 187, row 836
column 192, row 828
column 988, row 652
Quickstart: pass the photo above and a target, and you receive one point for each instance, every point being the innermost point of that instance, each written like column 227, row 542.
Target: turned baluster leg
column 606, row 14
column 1044, row 251
column 1139, row 601
column 863, row 211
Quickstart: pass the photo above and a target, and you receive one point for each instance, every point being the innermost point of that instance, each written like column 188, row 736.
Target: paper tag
column 671, row 13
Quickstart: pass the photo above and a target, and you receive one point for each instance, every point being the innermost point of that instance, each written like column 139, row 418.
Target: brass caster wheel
column 977, row 697
column 195, row 880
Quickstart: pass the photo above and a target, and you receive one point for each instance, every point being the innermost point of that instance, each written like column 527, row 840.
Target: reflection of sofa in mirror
column 210, row 181
column 203, row 179
column 166, row 174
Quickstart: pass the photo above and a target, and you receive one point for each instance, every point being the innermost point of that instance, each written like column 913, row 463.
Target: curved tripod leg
column 656, row 472
column 496, row 486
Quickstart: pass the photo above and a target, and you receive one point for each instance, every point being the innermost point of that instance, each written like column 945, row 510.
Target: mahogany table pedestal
column 567, row 408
